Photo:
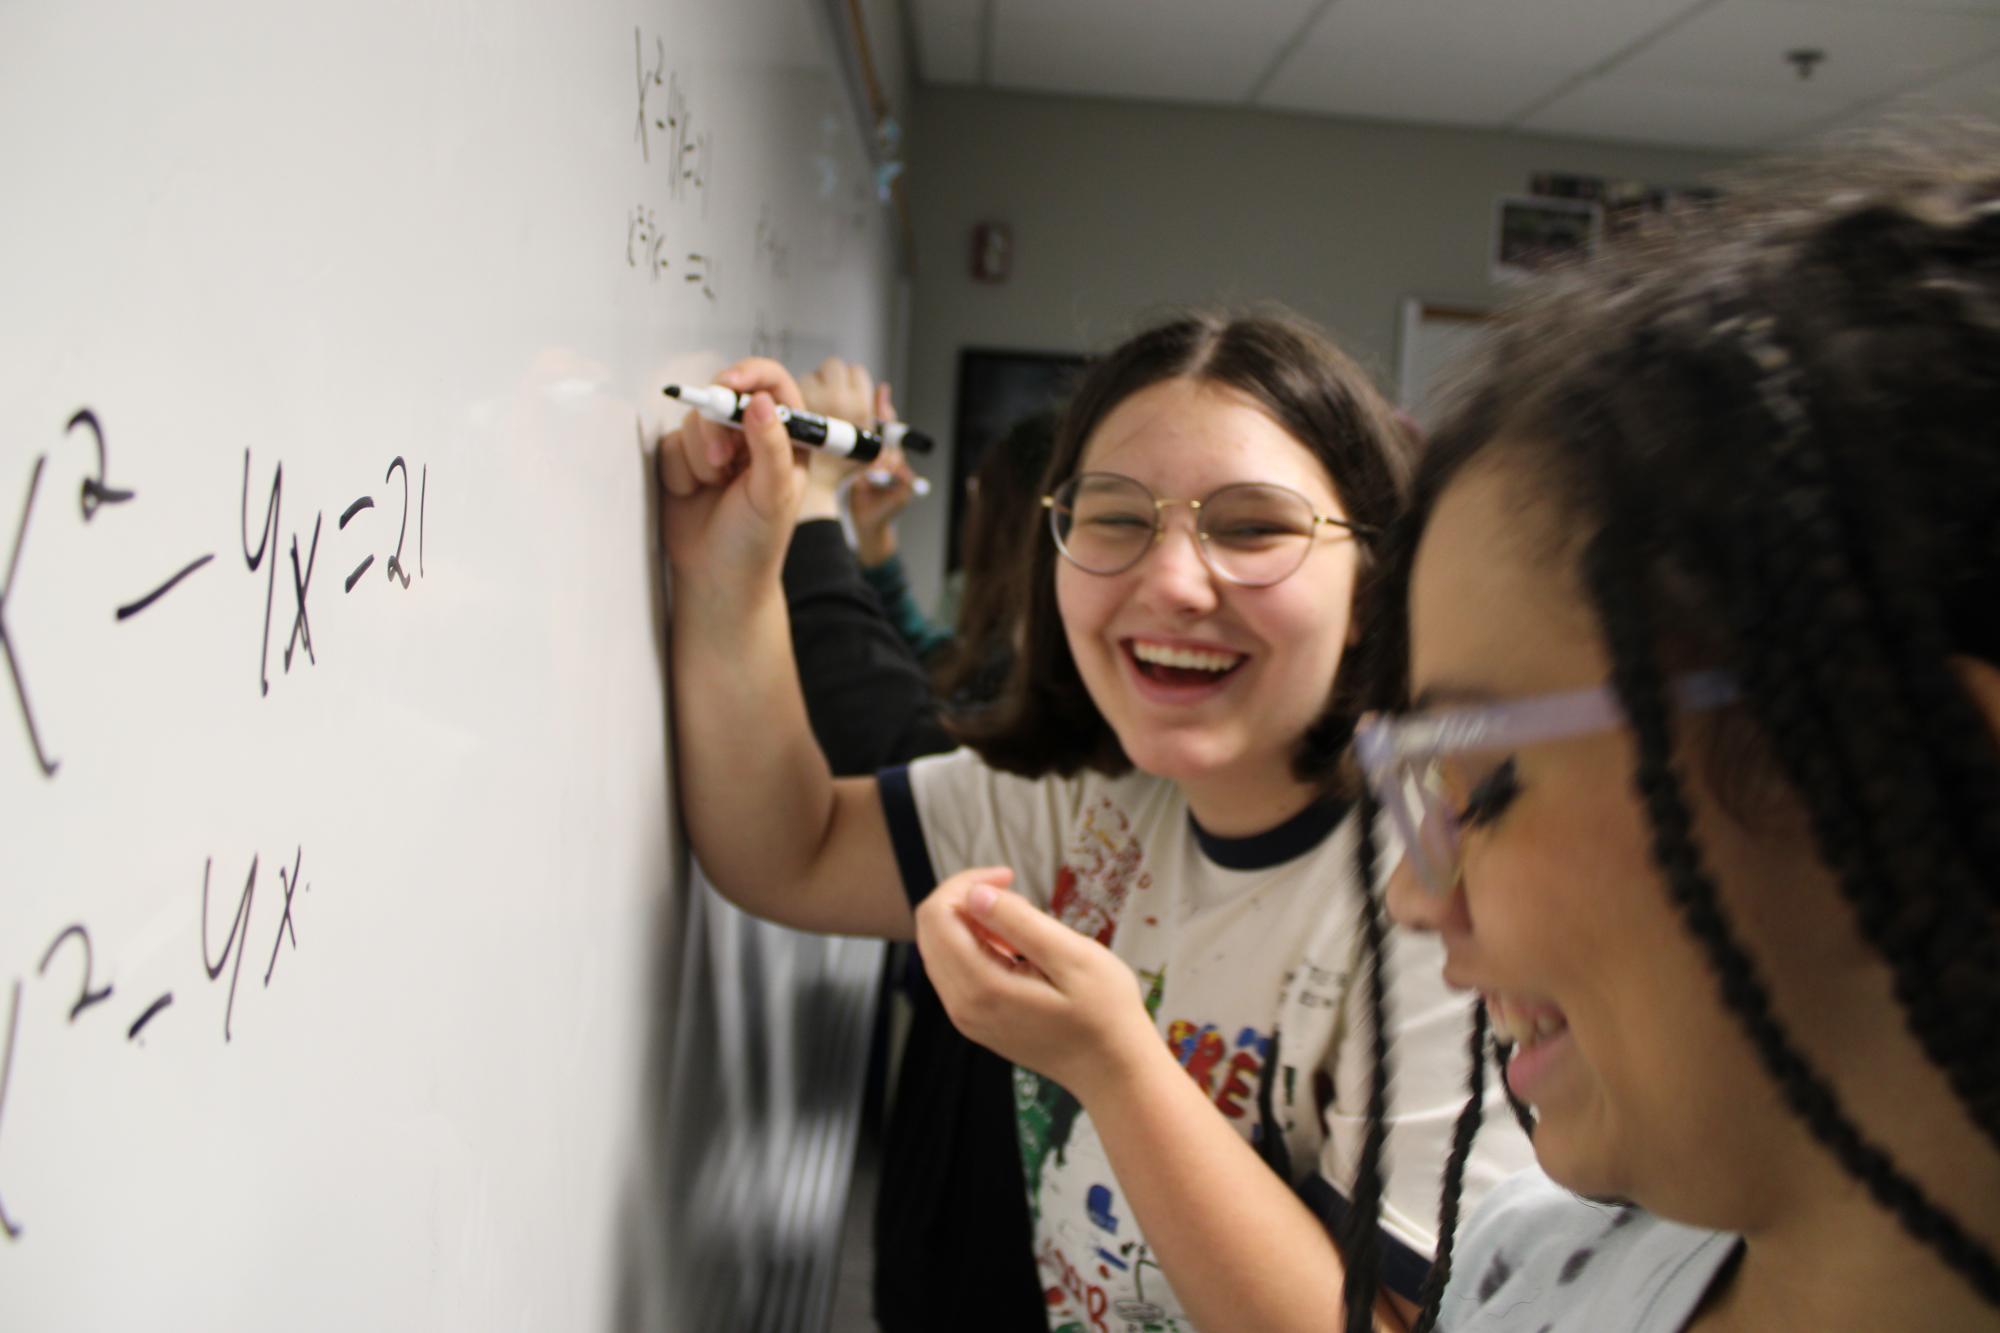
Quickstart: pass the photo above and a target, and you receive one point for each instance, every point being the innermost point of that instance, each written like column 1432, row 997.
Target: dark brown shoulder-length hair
column 1044, row 720
column 1003, row 504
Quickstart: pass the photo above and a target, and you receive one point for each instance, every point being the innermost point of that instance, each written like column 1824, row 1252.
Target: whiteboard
column 343, row 916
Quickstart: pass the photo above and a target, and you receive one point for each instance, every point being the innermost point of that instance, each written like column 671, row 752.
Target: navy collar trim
column 1260, row 851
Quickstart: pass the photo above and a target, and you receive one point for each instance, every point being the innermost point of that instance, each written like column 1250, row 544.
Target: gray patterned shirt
column 1536, row 1258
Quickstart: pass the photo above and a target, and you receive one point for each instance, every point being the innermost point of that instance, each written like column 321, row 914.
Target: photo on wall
column 1532, row 232
column 1625, row 204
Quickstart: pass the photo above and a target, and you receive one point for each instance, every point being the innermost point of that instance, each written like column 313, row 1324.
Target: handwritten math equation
column 767, row 339
column 646, row 248
column 67, row 967
column 772, row 251
column 368, row 540
column 687, row 154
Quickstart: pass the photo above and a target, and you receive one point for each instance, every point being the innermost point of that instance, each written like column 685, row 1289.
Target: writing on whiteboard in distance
column 841, row 438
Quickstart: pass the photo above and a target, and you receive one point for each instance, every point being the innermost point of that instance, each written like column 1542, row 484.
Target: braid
column 1818, row 641
column 1813, row 512
column 1432, row 1295
column 1911, row 273
column 1947, row 295
column 1361, row 1241
column 1619, row 597
column 1963, row 784
column 1524, row 1114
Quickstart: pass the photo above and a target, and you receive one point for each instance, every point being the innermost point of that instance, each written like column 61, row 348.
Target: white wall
column 1121, row 209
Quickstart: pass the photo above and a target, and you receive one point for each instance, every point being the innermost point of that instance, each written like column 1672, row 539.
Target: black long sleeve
column 867, row 696
column 951, row 1216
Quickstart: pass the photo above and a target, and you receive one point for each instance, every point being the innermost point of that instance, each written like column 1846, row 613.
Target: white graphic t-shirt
column 1246, row 952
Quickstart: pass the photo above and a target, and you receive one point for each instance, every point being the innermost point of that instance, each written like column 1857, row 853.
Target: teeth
column 1193, row 659
column 1520, row 1026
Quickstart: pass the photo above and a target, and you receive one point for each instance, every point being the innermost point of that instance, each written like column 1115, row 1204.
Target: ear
column 1981, row 680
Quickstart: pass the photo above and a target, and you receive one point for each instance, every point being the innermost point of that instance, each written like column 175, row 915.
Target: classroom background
column 332, row 616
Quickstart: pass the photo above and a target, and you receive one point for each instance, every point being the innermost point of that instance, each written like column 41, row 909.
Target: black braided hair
column 1432, row 1294
column 1360, row 1236
column 1794, row 601
column 1621, row 598
column 1524, row 1114
column 1873, row 811
column 1771, row 431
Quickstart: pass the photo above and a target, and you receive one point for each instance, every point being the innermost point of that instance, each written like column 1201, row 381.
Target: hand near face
column 1068, row 1009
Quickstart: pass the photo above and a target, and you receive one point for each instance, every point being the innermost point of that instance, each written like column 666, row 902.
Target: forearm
column 1239, row 1247
column 754, row 789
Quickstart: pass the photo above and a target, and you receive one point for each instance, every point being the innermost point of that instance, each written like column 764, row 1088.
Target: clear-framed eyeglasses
column 1252, row 534
column 1425, row 769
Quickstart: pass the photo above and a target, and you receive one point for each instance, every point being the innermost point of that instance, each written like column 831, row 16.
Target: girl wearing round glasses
column 1702, row 788
column 1179, row 975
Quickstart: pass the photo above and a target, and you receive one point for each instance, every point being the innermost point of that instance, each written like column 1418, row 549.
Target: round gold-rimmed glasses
column 1250, row 533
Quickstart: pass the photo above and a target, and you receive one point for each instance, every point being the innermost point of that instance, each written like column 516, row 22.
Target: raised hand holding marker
column 882, row 479
column 841, row 438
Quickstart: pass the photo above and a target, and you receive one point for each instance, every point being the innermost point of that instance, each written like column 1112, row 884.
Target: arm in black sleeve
column 868, row 698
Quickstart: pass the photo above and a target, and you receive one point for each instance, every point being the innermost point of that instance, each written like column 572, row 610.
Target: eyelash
column 1490, row 799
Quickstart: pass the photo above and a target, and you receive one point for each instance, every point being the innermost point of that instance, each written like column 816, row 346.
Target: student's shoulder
column 966, row 812
column 963, row 770
column 1536, row 1256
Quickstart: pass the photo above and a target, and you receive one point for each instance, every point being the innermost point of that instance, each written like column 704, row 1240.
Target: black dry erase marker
column 842, row 438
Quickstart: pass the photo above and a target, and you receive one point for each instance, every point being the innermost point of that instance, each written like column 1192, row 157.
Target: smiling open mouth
column 1183, row 666
column 1524, row 1024
column 1535, row 1036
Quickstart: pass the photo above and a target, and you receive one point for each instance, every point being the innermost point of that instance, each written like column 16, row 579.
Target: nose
column 1410, row 904
column 1415, row 907
column 1174, row 575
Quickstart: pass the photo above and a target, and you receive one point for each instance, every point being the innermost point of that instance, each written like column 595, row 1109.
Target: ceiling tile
column 1938, row 6
column 1625, row 107
column 1163, row 50
column 1970, row 92
column 1973, row 91
column 1872, row 51
column 948, row 39
column 1449, row 61
column 1695, row 73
